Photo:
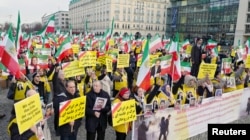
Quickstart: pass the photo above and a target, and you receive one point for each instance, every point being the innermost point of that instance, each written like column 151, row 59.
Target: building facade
column 61, row 20
column 130, row 16
column 209, row 19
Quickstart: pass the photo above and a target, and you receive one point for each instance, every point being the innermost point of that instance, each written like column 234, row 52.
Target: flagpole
column 172, row 75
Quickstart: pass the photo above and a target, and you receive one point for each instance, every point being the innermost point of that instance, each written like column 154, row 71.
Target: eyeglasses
column 38, row 76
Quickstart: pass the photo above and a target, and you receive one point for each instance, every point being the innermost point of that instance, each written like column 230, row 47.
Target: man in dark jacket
column 67, row 131
column 96, row 120
column 196, row 53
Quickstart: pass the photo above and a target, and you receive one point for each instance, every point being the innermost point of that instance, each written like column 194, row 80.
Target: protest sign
column 28, row 112
column 76, row 48
column 71, row 110
column 123, row 61
column 123, row 112
column 87, row 58
column 72, row 69
column 109, row 64
column 207, row 69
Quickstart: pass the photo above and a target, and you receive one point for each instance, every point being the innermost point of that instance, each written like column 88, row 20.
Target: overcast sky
column 30, row 10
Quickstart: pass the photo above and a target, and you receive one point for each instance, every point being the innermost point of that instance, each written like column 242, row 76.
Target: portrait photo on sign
column 48, row 110
column 148, row 110
column 199, row 101
column 99, row 103
column 177, row 104
column 157, row 127
column 218, row 93
column 192, row 102
column 39, row 131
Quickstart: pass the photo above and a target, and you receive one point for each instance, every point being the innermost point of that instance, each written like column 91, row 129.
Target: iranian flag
column 165, row 64
column 19, row 38
column 211, row 44
column 214, row 52
column 226, row 65
column 143, row 79
column 49, row 27
column 175, row 64
column 247, row 45
column 185, row 44
column 9, row 54
column 185, row 67
column 155, row 43
column 64, row 50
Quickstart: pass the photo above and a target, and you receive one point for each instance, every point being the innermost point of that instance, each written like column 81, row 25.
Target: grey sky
column 30, row 10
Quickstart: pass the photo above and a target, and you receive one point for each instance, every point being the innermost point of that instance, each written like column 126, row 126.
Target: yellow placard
column 109, row 64
column 71, row 110
column 123, row 60
column 102, row 59
column 87, row 58
column 28, row 112
column 123, row 112
column 111, row 42
column 207, row 69
column 139, row 59
column 76, row 48
column 247, row 62
column 72, row 69
column 39, row 45
column 188, row 50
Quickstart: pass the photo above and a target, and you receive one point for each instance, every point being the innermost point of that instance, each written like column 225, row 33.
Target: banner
column 191, row 121
column 76, row 48
column 123, row 60
column 102, row 59
column 71, row 110
column 87, row 58
column 72, row 69
column 123, row 112
column 207, row 69
column 28, row 112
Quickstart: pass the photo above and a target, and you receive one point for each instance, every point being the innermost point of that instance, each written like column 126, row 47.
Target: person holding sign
column 120, row 80
column 96, row 120
column 138, row 95
column 67, row 131
column 13, row 131
column 122, row 129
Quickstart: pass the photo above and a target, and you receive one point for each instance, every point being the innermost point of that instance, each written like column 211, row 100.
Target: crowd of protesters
column 117, row 86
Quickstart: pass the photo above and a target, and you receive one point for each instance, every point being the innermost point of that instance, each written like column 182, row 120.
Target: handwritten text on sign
column 87, row 58
column 72, row 69
column 71, row 110
column 123, row 112
column 207, row 69
column 109, row 64
column 123, row 61
column 28, row 112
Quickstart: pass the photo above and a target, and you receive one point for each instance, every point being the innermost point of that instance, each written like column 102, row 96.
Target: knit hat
column 123, row 91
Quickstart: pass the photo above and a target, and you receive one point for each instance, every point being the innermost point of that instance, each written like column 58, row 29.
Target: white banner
column 191, row 121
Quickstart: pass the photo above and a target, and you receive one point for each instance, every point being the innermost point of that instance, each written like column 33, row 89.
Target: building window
column 128, row 26
column 248, row 6
column 247, row 29
column 62, row 22
column 62, row 14
column 248, row 18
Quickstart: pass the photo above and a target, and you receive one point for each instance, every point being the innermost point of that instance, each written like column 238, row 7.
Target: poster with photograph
column 230, row 82
column 156, row 127
column 177, row 104
column 192, row 102
column 48, row 110
column 39, row 132
column 218, row 93
column 226, row 65
column 148, row 110
column 99, row 103
column 199, row 101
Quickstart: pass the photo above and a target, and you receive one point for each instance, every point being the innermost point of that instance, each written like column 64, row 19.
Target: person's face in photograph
column 100, row 102
column 34, row 61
